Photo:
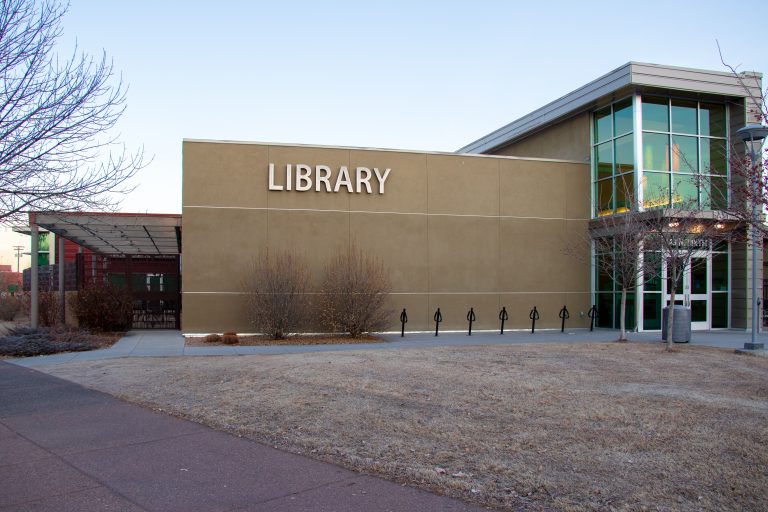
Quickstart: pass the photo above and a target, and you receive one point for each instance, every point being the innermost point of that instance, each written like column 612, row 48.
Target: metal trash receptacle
column 681, row 329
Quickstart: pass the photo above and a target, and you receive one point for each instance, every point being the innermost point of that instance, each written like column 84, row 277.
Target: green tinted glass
column 604, row 277
column 622, row 117
column 719, row 310
column 655, row 189
column 605, row 310
column 685, row 192
column 685, row 157
column 720, row 272
column 652, row 271
column 625, row 154
column 630, row 311
column 714, row 156
column 604, row 194
column 655, row 114
column 712, row 120
column 603, row 128
column 604, row 159
column 699, row 275
column 714, row 192
column 684, row 116
column 651, row 311
column 675, row 280
column 625, row 196
column 656, row 151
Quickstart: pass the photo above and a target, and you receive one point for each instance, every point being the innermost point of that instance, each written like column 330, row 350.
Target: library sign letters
column 304, row 178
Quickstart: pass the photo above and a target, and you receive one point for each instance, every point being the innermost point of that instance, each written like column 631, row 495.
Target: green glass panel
column 714, row 192
column 684, row 116
column 42, row 259
column 651, row 311
column 604, row 159
column 629, row 313
column 655, row 189
column 605, row 310
column 698, row 311
column 720, row 272
column 655, row 114
column 685, row 192
column 719, row 310
column 604, row 193
column 685, row 156
column 44, row 242
column 678, row 284
column 622, row 117
column 604, row 276
column 714, row 156
column 712, row 119
column 699, row 275
column 625, row 154
column 652, row 271
column 625, row 196
column 656, row 151
column 603, row 128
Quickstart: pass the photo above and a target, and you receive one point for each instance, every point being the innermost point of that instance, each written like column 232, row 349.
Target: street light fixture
column 753, row 136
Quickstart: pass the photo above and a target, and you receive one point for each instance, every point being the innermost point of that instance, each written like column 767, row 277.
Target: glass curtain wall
column 613, row 157
column 608, row 294
column 685, row 153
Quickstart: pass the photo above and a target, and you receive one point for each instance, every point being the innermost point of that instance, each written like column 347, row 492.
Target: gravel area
column 524, row 427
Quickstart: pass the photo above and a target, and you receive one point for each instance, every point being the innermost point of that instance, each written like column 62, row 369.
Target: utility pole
column 18, row 249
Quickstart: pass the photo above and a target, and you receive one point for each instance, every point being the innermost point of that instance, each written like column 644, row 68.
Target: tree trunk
column 623, row 319
column 671, row 310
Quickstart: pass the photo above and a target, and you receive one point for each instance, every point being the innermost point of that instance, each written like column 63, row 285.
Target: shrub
column 277, row 293
column 230, row 338
column 48, row 309
column 213, row 338
column 103, row 307
column 9, row 306
column 354, row 294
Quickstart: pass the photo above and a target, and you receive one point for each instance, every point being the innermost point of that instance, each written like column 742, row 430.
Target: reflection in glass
column 603, row 129
column 714, row 193
column 622, row 117
column 699, row 275
column 625, row 154
column 655, row 114
column 720, row 272
column 684, row 154
column 712, row 118
column 656, row 151
column 625, row 197
column 684, row 116
column 685, row 191
column 604, row 195
column 655, row 189
column 604, row 160
column 714, row 157
column 651, row 311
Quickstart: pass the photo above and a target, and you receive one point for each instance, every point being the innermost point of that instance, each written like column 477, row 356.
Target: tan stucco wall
column 455, row 231
column 567, row 140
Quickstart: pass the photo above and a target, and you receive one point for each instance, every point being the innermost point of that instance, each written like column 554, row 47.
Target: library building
column 504, row 222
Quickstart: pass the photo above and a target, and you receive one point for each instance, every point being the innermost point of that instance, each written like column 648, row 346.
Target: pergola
column 108, row 234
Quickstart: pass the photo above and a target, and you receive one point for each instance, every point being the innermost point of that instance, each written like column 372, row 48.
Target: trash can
column 681, row 329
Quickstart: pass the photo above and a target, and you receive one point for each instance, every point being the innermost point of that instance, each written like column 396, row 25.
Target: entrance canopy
column 124, row 234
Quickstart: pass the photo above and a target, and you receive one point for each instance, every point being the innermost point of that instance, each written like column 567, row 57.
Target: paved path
column 171, row 343
column 67, row 448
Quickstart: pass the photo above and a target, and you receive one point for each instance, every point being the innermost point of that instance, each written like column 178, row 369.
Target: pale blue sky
column 426, row 75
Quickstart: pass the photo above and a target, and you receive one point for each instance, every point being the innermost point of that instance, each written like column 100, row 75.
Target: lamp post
column 753, row 136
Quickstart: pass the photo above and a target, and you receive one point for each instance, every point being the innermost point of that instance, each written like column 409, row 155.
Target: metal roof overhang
column 114, row 234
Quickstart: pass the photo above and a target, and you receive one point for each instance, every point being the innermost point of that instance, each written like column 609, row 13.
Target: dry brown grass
column 526, row 427
column 263, row 340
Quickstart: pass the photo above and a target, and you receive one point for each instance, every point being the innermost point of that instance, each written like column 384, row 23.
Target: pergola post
column 33, row 281
column 62, row 294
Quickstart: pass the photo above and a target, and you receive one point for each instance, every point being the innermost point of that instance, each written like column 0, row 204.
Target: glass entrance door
column 693, row 290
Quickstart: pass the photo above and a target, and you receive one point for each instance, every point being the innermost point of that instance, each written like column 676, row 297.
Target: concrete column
column 62, row 295
column 33, row 284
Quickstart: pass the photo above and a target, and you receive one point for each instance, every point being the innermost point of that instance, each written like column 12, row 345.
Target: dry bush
column 9, row 306
column 103, row 307
column 212, row 338
column 48, row 308
column 277, row 293
column 354, row 294
column 230, row 338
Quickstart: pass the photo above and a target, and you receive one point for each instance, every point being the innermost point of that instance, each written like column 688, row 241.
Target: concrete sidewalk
column 171, row 343
column 67, row 448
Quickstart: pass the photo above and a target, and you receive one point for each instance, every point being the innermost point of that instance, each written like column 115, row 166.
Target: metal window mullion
column 637, row 124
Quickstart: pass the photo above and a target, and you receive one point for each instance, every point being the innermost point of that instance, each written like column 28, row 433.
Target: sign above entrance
column 303, row 178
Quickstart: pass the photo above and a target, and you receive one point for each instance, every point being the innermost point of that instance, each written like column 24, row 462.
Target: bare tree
column 354, row 294
column 55, row 119
column 277, row 289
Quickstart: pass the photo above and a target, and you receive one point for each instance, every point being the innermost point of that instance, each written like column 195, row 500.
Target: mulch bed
column 259, row 340
column 27, row 342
